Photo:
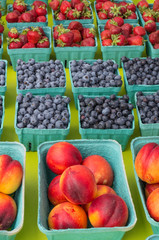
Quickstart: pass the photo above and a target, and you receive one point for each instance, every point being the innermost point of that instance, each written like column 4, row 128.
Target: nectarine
column 152, row 204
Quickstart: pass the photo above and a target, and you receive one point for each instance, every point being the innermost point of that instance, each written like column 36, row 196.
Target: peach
column 147, row 163
column 11, row 173
column 100, row 168
column 78, row 184
column 55, row 194
column 67, row 215
column 8, row 211
column 152, row 204
column 108, row 210
column 101, row 189
column 150, row 188
column 62, row 155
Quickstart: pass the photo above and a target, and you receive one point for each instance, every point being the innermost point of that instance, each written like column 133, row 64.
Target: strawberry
column 156, row 5
column 0, row 41
column 107, row 42
column 135, row 40
column 119, row 21
column 60, row 16
column 26, row 17
column 23, row 38
column 12, row 17
column 17, row 12
column 86, row 15
column 13, row 33
column 65, row 39
column 33, row 13
column 20, row 19
column 131, row 7
column 29, row 45
column 34, row 35
column 41, row 30
column 115, row 30
column 65, row 6
column 41, row 10
column 123, row 6
column 75, row 25
column 73, row 14
column 14, row 43
column 105, row 34
column 114, row 12
column 126, row 29
column 37, row 4
column 80, row 6
column 150, row 26
column 77, row 36
column 43, row 43
column 110, row 23
column 102, row 14
column 139, row 30
column 74, row 2
column 118, row 40
column 58, row 30
column 88, row 42
column 41, row 19
column 154, row 37
column 130, row 15
column 75, row 45
column 55, row 5
column 19, row 6
column 107, row 5
column 99, row 6
column 156, row 46
column 142, row 5
column 1, row 27
column 88, row 33
column 148, row 15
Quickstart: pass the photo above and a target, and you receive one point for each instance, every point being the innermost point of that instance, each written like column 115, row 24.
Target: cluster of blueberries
column 148, row 106
column 99, row 74
column 35, row 75
column 141, row 71
column 42, row 112
column 2, row 73
column 106, row 112
column 1, row 109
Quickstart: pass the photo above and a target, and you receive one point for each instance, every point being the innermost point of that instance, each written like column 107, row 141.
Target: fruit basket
column 36, row 90
column 92, row 91
column 20, row 25
column 146, row 129
column 103, row 21
column 132, row 89
column 16, row 151
column 3, row 87
column 32, row 137
column 67, row 54
column 142, row 22
column 110, row 150
column 39, row 54
column 136, row 145
column 116, row 52
column 120, row 135
column 153, row 237
column 31, row 1
column 150, row 50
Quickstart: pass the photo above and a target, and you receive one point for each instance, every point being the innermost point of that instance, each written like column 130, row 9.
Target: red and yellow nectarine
column 152, row 204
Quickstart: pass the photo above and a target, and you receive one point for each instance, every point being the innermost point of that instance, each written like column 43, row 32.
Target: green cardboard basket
column 108, row 149
column 153, row 237
column 91, row 91
column 3, row 4
column 152, row 52
column 116, row 52
column 31, row 1
column 122, row 136
column 149, row 129
column 103, row 21
column 4, row 88
column 31, row 138
column 136, row 145
column 20, row 25
column 66, row 54
column 132, row 89
column 39, row 54
column 42, row 91
column 17, row 152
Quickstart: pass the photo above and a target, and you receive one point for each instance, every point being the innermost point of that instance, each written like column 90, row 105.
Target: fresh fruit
column 75, row 182
column 77, row 38
column 139, row 30
column 1, row 27
column 13, row 33
column 20, row 6
column 41, row 19
column 65, row 39
column 153, row 205
column 65, row 6
column 29, row 45
column 108, row 210
column 41, row 10
column 149, row 188
column 33, row 35
column 75, row 25
column 150, row 26
column 88, row 42
column 54, row 4
column 154, row 38
column 12, row 17
column 88, row 33
column 107, row 42
column 135, row 40
column 8, row 211
column 43, row 43
column 67, row 215
column 14, row 43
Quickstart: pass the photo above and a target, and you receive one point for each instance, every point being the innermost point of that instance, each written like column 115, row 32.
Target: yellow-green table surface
column 30, row 229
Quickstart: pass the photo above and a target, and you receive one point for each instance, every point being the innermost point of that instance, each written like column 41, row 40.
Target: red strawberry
column 77, row 36
column 156, row 46
column 126, row 29
column 55, row 4
column 99, row 6
column 118, row 40
column 154, row 37
column 75, row 25
column 142, row 4
column 90, row 42
column 33, row 13
column 17, row 12
column 1, row 28
column 130, row 15
column 26, row 17
column 23, row 38
column 41, row 30
column 13, row 33
column 147, row 15
column 20, row 19
column 156, row 5
column 60, row 16
column 73, row 14
column 102, row 14
column 65, row 39
column 88, row 33
column 107, row 42
column 12, row 17
column 43, row 43
column 36, row 4
column 74, row 2
column 34, row 35
column 105, row 34
column 119, row 21
column 139, row 30
column 115, row 30
column 86, row 15
column 19, row 6
column 14, row 43
column 107, row 5
column 110, row 23
column 41, row 19
column 123, row 6
column 114, row 12
column 75, row 45
column 150, row 26
column 65, row 6
column 80, row 6
column 0, row 41
column 131, row 7
column 135, row 40
column 41, row 10
column 29, row 45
